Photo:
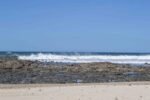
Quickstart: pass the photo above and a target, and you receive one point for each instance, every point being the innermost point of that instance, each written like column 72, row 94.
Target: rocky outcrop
column 15, row 71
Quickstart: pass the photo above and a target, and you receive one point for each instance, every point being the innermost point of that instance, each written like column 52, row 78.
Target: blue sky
column 75, row 25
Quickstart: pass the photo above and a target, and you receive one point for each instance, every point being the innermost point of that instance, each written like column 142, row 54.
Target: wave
column 123, row 59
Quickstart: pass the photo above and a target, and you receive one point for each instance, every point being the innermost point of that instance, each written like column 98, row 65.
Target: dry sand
column 104, row 91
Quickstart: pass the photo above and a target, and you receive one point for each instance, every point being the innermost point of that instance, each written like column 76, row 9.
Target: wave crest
column 126, row 59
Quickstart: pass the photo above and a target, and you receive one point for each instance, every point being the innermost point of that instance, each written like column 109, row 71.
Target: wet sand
column 99, row 91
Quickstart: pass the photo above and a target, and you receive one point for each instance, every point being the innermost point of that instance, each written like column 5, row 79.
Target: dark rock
column 15, row 71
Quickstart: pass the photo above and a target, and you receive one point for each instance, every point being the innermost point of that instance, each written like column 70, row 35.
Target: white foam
column 126, row 59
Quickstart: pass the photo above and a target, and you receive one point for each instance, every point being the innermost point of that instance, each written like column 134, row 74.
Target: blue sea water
column 82, row 57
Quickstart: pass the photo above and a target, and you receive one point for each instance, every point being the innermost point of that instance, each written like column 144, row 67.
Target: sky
column 75, row 25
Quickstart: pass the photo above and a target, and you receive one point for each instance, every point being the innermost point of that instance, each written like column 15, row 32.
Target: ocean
column 81, row 57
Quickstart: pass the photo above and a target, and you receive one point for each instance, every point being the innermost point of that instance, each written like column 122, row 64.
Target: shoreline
column 27, row 80
column 19, row 86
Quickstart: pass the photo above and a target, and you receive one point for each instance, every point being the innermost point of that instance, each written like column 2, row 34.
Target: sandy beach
column 32, row 80
column 102, row 91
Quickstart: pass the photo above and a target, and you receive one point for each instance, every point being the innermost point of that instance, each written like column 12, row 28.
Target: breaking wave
column 123, row 59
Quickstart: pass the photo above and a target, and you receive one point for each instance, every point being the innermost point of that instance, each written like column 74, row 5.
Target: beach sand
column 100, row 91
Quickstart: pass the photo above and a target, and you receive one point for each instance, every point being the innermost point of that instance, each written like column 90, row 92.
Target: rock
column 15, row 71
